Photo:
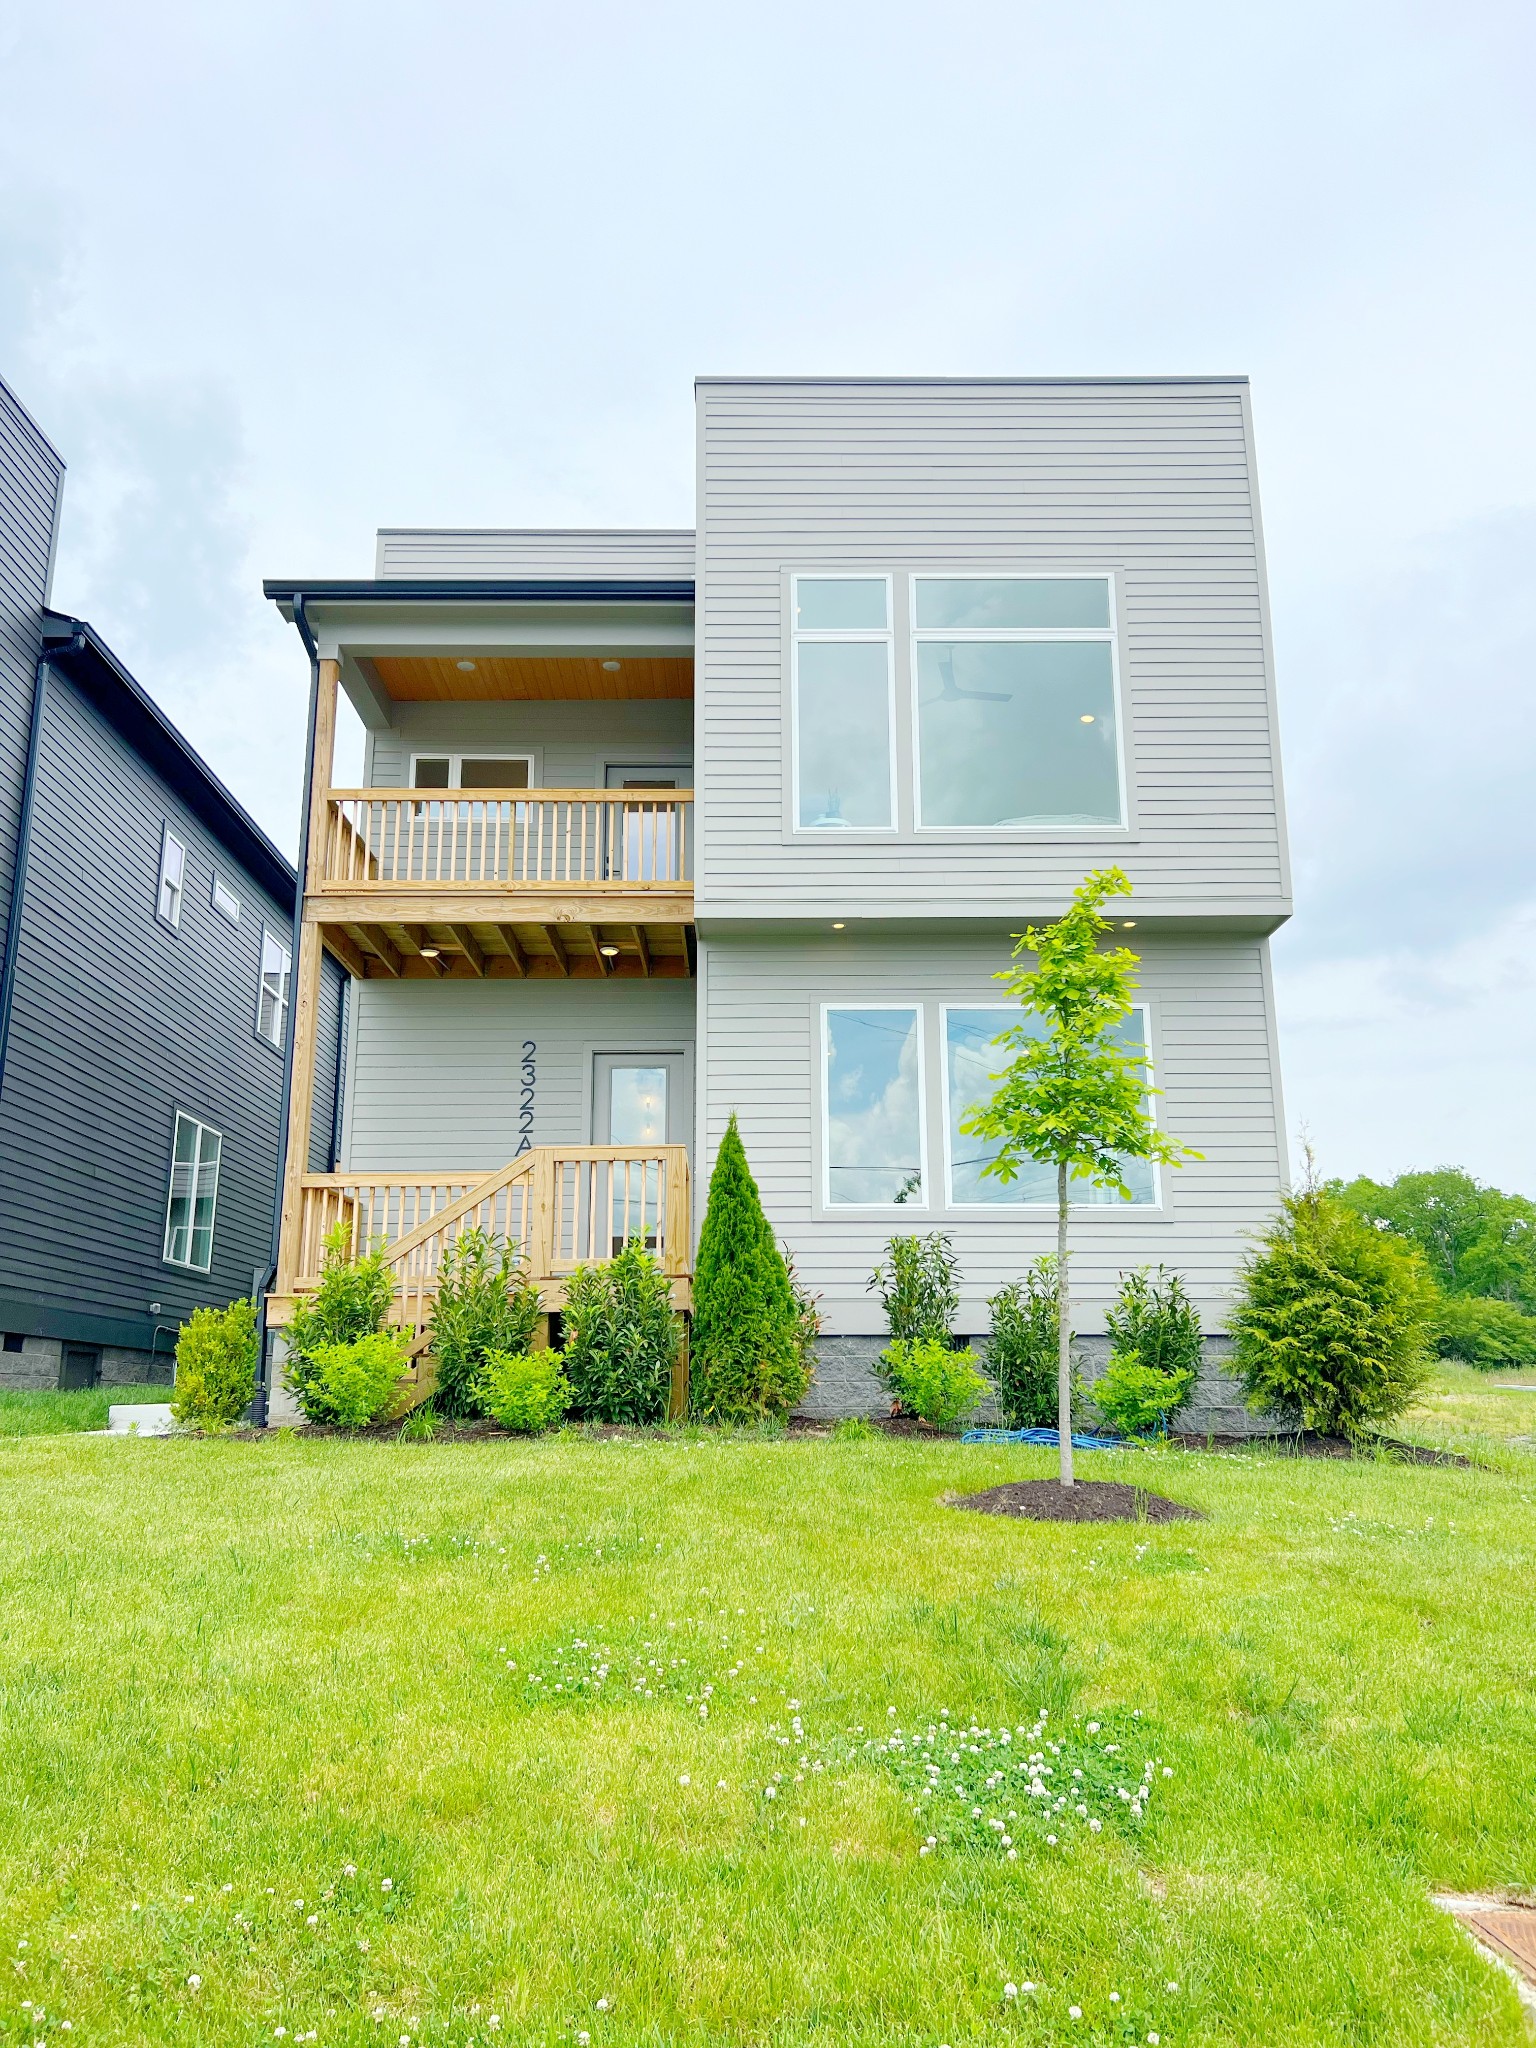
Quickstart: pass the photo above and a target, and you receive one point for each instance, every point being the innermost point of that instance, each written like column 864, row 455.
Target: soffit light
column 1129, row 925
column 465, row 667
column 839, row 927
column 609, row 952
column 430, row 952
column 612, row 666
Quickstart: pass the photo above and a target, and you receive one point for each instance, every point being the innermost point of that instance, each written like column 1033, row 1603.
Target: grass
column 1471, row 1411
column 25, row 1411
column 232, row 1670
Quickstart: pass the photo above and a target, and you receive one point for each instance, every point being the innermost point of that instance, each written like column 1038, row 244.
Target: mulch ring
column 1090, row 1500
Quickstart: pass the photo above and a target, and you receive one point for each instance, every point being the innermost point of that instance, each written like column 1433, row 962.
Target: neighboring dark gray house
column 146, row 925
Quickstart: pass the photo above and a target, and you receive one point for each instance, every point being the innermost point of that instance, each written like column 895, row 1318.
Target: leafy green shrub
column 522, row 1390
column 932, row 1381
column 807, row 1319
column 1135, row 1398
column 1021, row 1347
column 1333, row 1318
column 351, row 1301
column 917, row 1284
column 485, row 1303
column 1482, row 1332
column 852, row 1429
column 359, row 1380
column 215, row 1365
column 621, row 1338
column 747, row 1355
column 1154, row 1317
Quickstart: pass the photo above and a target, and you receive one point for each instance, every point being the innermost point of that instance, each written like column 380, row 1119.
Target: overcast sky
column 273, row 276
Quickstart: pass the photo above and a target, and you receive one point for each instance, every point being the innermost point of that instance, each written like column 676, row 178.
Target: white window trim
column 823, row 636
column 914, row 1008
column 456, row 757
column 188, row 1265
column 218, row 888
column 1004, row 1209
column 1110, row 633
column 168, row 839
column 284, row 946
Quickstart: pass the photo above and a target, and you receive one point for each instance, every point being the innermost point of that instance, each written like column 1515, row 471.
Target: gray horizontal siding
column 664, row 553
column 570, row 742
column 434, row 1077
column 118, row 1023
column 30, row 479
column 1149, row 481
column 1211, row 1025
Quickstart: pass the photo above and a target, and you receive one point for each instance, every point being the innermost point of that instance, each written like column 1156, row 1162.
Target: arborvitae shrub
column 749, row 1331
column 1333, row 1319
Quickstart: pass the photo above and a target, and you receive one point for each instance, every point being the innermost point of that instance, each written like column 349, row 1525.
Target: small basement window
column 173, row 878
column 225, row 901
column 14, row 1341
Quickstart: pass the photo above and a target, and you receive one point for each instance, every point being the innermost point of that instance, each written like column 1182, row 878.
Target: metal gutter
column 468, row 590
column 23, row 850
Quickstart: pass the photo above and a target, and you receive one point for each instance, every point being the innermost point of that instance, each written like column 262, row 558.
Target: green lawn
column 235, row 1673
column 25, row 1412
column 1475, row 1411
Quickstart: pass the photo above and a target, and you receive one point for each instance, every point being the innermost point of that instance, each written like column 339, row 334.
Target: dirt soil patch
column 1090, row 1500
column 1308, row 1444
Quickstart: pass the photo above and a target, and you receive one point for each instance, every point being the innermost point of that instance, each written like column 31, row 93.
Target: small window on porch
column 471, row 771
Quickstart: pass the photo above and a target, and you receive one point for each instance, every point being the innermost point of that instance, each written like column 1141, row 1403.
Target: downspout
column 24, row 845
column 263, row 1387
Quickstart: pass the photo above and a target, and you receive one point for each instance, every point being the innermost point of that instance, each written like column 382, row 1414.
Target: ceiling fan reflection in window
column 950, row 690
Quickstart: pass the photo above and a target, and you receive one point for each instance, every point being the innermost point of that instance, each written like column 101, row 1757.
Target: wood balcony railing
column 562, row 1205
column 555, row 839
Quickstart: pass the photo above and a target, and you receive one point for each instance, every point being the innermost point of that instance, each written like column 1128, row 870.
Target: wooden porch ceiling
column 497, row 678
column 475, row 950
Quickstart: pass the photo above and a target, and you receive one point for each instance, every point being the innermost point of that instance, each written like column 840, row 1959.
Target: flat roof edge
column 1237, row 377
column 547, row 532
column 471, row 589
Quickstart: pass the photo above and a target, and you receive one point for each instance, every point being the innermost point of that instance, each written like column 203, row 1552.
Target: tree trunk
column 1063, row 1331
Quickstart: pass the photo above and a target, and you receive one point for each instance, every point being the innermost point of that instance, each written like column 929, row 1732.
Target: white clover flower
column 685, row 1779
column 194, row 1982
column 224, row 1888
column 770, row 1791
column 313, row 1920
column 1010, row 1991
column 1052, row 1840
column 602, row 2005
column 279, row 2033
column 923, row 1850
column 1114, row 1998
column 1074, row 2012
column 1167, row 1770
column 349, row 1870
column 387, row 1884
column 186, row 1900
column 1095, row 1825
column 1173, row 1987
column 582, row 2040
column 1026, row 1985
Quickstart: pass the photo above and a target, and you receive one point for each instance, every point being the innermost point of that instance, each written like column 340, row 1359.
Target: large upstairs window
column 1015, row 686
column 844, row 703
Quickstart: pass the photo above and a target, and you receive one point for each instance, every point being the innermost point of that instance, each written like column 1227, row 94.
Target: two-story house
column 146, row 928
column 657, row 826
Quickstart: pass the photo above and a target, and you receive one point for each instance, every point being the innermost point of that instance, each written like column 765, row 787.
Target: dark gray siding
column 118, row 1023
column 30, row 477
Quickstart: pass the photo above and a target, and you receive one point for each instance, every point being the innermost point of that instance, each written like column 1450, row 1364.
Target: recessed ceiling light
column 839, row 927
column 609, row 952
column 1129, row 925
column 465, row 667
column 612, row 665
column 1086, row 719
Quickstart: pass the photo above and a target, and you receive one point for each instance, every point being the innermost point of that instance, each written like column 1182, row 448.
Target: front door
column 638, row 1098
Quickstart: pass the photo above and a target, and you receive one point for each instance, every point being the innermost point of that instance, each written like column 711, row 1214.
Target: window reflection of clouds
column 874, row 1129
column 1017, row 733
column 972, row 1062
column 843, row 727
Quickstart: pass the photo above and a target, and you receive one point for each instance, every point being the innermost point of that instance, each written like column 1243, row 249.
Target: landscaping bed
column 1088, row 1500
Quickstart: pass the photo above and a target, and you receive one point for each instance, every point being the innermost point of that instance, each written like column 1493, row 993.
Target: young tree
column 1072, row 1096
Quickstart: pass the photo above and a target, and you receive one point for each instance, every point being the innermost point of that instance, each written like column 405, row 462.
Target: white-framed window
column 445, row 770
column 272, row 997
column 194, row 1193
column 173, row 879
column 1016, row 722
column 843, row 690
column 971, row 1060
column 225, row 901
column 874, row 1140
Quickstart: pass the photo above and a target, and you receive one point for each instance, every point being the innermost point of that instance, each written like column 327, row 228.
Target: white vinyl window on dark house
column 272, row 1000
column 1016, row 716
column 844, row 708
column 225, row 901
column 971, row 1062
column 194, row 1192
column 173, row 879
column 872, row 1106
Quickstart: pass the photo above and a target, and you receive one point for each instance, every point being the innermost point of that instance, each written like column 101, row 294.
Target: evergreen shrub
column 1333, row 1319
column 522, row 1390
column 485, row 1303
column 350, row 1302
column 918, row 1285
column 1483, row 1332
column 621, row 1338
column 750, row 1331
column 215, row 1365
column 1021, row 1347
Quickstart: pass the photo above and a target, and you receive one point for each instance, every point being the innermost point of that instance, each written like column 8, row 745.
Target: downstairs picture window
column 872, row 1099
column 971, row 1061
column 193, row 1197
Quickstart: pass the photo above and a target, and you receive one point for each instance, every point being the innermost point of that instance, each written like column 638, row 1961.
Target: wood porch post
column 305, row 994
